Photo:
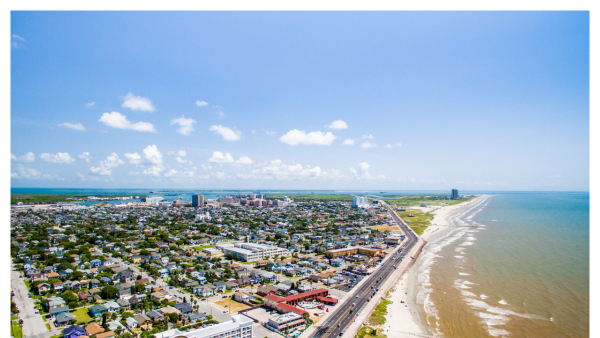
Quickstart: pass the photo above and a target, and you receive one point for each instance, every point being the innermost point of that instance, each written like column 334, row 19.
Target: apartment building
column 239, row 326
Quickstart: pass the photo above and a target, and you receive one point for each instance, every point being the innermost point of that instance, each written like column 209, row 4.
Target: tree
column 104, row 320
column 109, row 292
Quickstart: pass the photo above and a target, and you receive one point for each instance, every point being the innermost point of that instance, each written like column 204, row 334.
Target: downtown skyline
column 300, row 100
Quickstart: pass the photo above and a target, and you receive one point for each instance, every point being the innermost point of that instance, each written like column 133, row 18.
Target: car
column 353, row 304
column 13, row 293
column 316, row 314
column 29, row 295
column 356, row 296
column 224, row 297
column 350, row 311
column 339, row 325
column 225, row 311
column 37, row 311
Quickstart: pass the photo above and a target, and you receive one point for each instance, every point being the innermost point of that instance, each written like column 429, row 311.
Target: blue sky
column 300, row 100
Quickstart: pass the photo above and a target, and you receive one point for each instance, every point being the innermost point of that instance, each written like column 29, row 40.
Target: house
column 98, row 310
column 232, row 285
column 94, row 283
column 269, row 276
column 220, row 286
column 84, row 295
column 95, row 263
column 124, row 303
column 58, row 310
column 205, row 291
column 43, row 287
column 131, row 323
column 58, row 287
column 107, row 334
column 143, row 321
column 112, row 306
column 64, row 319
column 54, row 302
column 243, row 297
column 155, row 316
column 74, row 331
column 163, row 273
column 184, row 307
column 127, row 276
column 194, row 316
column 93, row 328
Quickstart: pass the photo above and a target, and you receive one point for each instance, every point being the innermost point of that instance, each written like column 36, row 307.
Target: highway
column 341, row 318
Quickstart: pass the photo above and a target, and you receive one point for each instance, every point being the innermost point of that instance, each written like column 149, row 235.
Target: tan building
column 351, row 251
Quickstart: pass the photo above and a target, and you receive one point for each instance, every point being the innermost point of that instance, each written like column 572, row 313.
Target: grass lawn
column 81, row 315
column 362, row 333
column 60, row 335
column 378, row 316
column 15, row 330
column 200, row 247
column 48, row 326
column 232, row 305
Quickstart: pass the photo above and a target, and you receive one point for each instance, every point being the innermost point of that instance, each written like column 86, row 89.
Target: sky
column 300, row 100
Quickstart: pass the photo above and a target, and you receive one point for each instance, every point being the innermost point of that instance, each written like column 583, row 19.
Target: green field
column 419, row 222
column 362, row 333
column 52, row 198
column 321, row 198
column 417, row 200
column 378, row 316
column 81, row 316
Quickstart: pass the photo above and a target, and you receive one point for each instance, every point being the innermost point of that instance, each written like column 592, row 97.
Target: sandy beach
column 403, row 318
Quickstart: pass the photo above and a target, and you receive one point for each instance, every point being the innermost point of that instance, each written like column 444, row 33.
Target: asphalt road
column 341, row 318
column 33, row 324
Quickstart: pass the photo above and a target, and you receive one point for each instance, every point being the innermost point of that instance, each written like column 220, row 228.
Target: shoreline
column 404, row 320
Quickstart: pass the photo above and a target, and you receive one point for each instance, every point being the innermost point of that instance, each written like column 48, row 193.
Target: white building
column 359, row 202
column 251, row 252
column 239, row 326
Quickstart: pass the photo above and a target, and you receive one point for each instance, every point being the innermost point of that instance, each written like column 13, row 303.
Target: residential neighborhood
column 107, row 270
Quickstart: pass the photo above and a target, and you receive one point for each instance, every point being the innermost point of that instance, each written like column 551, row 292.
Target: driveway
column 33, row 324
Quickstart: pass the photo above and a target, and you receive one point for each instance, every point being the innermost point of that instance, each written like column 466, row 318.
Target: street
column 33, row 324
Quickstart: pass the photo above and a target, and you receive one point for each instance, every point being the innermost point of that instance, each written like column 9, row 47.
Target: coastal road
column 33, row 324
column 346, row 313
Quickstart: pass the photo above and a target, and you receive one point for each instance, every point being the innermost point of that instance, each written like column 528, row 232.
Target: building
column 152, row 199
column 351, row 251
column 286, row 321
column 454, row 195
column 252, row 252
column 239, row 326
column 197, row 200
column 359, row 201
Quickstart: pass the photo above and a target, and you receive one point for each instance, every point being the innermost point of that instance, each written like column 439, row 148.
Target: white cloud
column 153, row 155
column 370, row 137
column 364, row 168
column 85, row 156
column 105, row 168
column 271, row 133
column 134, row 158
column 137, row 103
column 153, row 170
column 368, row 144
column 27, row 173
column 171, row 173
column 295, row 137
column 91, row 104
column 348, row 142
column 337, row 125
column 219, row 157
column 181, row 153
column 17, row 41
column 182, row 160
column 226, row 133
column 185, row 125
column 29, row 157
column 390, row 146
column 57, row 158
column 118, row 120
column 201, row 103
column 52, row 177
column 278, row 170
column 220, row 114
column 76, row 126
column 244, row 160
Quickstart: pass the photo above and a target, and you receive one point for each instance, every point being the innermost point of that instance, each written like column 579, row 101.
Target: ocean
column 517, row 266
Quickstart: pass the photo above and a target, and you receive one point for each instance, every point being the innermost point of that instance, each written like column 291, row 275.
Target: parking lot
column 261, row 314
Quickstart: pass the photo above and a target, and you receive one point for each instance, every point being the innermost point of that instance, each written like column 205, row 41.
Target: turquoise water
column 522, row 271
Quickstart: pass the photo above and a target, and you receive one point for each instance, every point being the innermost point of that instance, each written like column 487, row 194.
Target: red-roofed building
column 285, row 308
column 306, row 296
column 327, row 300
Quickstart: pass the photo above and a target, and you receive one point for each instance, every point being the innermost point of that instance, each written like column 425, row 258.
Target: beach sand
column 403, row 319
